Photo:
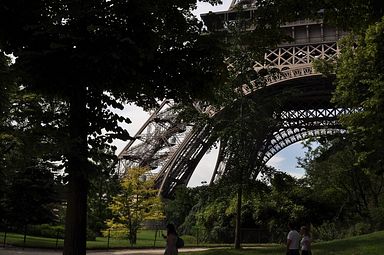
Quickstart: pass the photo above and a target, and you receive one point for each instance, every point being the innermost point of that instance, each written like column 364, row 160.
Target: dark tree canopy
column 29, row 144
column 31, row 196
column 93, row 55
column 360, row 85
column 140, row 50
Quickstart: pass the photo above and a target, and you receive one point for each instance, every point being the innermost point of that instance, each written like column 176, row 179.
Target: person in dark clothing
column 171, row 238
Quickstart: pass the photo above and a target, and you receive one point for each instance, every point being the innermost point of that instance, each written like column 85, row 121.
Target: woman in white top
column 305, row 241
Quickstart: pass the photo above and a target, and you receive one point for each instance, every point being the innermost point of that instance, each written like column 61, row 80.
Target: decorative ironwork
column 293, row 126
column 175, row 148
column 298, row 56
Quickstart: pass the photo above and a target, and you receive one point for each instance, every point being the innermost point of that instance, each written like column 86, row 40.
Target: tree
column 178, row 208
column 6, row 141
column 267, row 205
column 214, row 213
column 104, row 185
column 352, row 194
column 240, row 133
column 27, row 140
column 7, row 83
column 91, row 54
column 360, row 86
column 137, row 201
column 31, row 196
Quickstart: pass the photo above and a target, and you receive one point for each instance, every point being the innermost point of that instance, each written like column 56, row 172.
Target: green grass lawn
column 31, row 241
column 370, row 244
column 146, row 238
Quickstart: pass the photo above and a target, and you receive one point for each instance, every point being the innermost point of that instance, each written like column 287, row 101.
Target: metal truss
column 156, row 140
column 179, row 169
column 269, row 80
column 295, row 56
column 292, row 62
column 288, row 74
column 299, row 125
column 173, row 148
column 176, row 162
column 292, row 126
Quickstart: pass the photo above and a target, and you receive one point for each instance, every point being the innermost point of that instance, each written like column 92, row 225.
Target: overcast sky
column 285, row 160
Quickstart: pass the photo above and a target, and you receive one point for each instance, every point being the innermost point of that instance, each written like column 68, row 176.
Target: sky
column 285, row 160
column 206, row 7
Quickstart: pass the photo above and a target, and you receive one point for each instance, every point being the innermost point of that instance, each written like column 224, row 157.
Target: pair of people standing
column 294, row 241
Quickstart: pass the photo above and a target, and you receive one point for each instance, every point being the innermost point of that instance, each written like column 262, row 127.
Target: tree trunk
column 77, row 187
column 238, row 216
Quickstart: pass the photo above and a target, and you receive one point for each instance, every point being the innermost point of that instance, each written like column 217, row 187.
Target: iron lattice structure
column 174, row 148
column 158, row 138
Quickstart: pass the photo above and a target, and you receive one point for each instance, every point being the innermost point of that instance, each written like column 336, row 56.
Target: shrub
column 121, row 233
column 46, row 230
column 327, row 231
column 91, row 236
column 359, row 229
column 377, row 218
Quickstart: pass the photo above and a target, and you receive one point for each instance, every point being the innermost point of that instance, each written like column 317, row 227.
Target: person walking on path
column 305, row 241
column 293, row 240
column 171, row 237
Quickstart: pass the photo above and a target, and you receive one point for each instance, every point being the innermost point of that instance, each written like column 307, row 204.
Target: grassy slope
column 371, row 244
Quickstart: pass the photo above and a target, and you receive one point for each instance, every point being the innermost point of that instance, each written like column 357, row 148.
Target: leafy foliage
column 7, row 83
column 104, row 185
column 137, row 201
column 360, row 85
column 28, row 138
column 178, row 208
column 267, row 205
column 30, row 196
column 96, row 55
column 354, row 195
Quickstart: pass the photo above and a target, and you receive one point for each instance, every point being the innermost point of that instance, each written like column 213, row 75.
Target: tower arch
column 175, row 148
column 307, row 114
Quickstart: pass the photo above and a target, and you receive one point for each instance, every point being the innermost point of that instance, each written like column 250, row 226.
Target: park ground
column 29, row 251
column 370, row 244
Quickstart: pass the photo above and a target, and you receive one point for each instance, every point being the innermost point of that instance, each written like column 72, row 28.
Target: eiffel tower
column 175, row 148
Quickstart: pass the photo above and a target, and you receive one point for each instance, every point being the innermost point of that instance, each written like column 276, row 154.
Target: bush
column 377, row 218
column 46, row 230
column 359, row 229
column 91, row 236
column 327, row 231
column 116, row 233
column 220, row 234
